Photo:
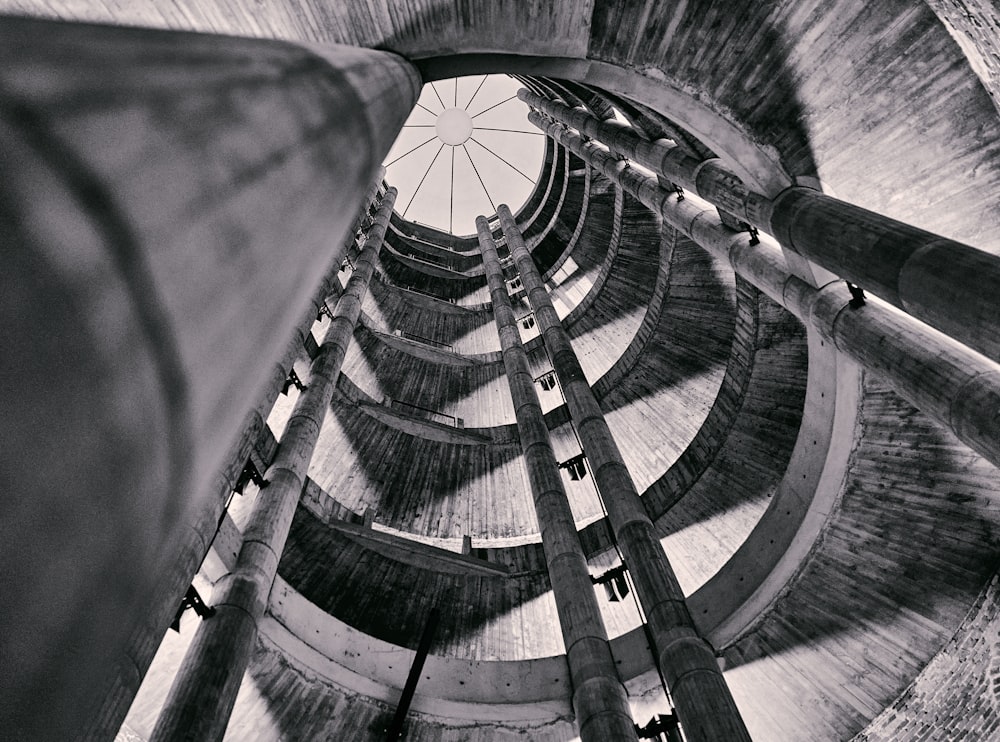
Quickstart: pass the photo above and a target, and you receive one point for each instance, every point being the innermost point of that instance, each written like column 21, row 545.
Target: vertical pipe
column 599, row 699
column 947, row 284
column 193, row 544
column 952, row 384
column 202, row 696
column 704, row 704
column 169, row 202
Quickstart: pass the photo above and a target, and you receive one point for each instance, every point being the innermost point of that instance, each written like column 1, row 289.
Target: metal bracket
column 615, row 583
column 191, row 600
column 663, row 727
column 324, row 309
column 293, row 380
column 857, row 296
column 576, row 466
column 249, row 474
column 547, row 381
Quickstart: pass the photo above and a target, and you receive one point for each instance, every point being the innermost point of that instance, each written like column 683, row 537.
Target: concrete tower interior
column 697, row 438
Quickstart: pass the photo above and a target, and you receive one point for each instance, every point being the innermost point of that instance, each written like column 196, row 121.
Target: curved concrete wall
column 877, row 101
column 897, row 566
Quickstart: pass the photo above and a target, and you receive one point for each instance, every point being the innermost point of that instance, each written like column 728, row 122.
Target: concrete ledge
column 417, row 553
column 533, row 690
column 423, row 428
column 432, row 303
column 425, row 351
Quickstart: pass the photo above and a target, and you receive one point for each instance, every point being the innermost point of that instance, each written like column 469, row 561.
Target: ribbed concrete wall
column 284, row 697
column 753, row 443
column 482, row 618
column 577, row 281
column 896, row 569
column 465, row 291
column 467, row 332
column 480, row 491
column 615, row 314
column 278, row 689
column 477, row 394
column 656, row 410
column 714, row 431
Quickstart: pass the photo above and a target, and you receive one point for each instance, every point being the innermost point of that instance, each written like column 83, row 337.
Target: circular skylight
column 467, row 147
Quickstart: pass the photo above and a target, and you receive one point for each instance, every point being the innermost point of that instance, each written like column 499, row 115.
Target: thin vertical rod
column 423, row 649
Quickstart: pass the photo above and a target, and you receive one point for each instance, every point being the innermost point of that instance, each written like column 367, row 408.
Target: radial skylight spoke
column 451, row 210
column 421, row 105
column 434, row 88
column 530, row 180
column 423, row 111
column 422, row 179
column 476, row 93
column 456, row 92
column 389, row 164
column 513, row 97
column 485, row 190
column 511, row 131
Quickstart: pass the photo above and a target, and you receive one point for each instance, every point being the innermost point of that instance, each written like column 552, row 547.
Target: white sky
column 454, row 198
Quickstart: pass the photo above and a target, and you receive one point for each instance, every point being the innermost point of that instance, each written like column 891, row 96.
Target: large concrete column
column 952, row 384
column 194, row 542
column 599, row 699
column 704, row 704
column 201, row 699
column 947, row 284
column 169, row 202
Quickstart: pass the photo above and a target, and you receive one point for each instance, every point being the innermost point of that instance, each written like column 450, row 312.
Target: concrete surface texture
column 821, row 477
